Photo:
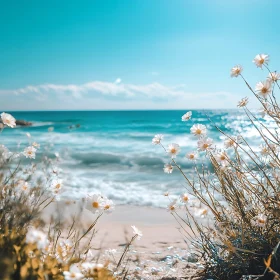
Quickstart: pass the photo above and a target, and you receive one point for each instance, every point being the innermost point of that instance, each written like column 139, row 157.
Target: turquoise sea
column 110, row 152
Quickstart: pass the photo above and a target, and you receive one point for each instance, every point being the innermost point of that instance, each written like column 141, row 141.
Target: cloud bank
column 98, row 95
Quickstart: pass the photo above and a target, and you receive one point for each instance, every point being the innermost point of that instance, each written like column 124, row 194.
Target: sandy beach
column 162, row 245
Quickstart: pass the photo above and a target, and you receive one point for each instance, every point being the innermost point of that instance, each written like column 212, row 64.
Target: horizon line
column 119, row 110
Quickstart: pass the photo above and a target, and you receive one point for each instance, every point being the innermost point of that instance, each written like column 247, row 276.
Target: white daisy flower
column 172, row 206
column 236, row 71
column 30, row 152
column 230, row 142
column 166, row 194
column 202, row 212
column 259, row 220
column 243, row 102
column 95, row 203
column 56, row 186
column 204, row 144
column 263, row 88
column 222, row 158
column 173, row 149
column 261, row 59
column 108, row 206
column 74, row 273
column 185, row 198
column 137, row 232
column 23, row 186
column 192, row 155
column 265, row 151
column 187, row 116
column 273, row 77
column 199, row 130
column 36, row 145
column 168, row 168
column 157, row 139
column 36, row 236
column 8, row 120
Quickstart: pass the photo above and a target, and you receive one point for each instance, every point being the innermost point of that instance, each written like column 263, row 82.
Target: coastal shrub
column 231, row 205
column 39, row 237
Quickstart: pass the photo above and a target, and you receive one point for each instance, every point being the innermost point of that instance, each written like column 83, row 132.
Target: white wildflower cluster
column 20, row 190
column 97, row 203
column 264, row 88
column 186, row 201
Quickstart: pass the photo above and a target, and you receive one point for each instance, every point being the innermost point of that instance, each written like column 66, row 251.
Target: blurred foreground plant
column 56, row 247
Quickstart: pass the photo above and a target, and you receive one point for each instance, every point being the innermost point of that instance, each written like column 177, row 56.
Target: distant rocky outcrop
column 21, row 123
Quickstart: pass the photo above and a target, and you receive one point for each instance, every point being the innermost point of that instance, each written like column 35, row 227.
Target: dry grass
column 239, row 240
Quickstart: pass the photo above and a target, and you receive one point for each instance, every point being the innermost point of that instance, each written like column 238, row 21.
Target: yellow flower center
column 173, row 151
column 222, row 157
column 264, row 90
column 185, row 198
column 205, row 145
column 198, row 131
column 172, row 207
column 204, row 212
column 106, row 207
column 262, row 61
column 261, row 221
column 95, row 204
column 191, row 156
column 57, row 186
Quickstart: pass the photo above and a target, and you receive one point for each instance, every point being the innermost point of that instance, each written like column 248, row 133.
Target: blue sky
column 132, row 54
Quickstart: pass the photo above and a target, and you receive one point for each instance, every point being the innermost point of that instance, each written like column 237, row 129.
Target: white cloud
column 112, row 95
column 118, row 81
column 106, row 88
column 153, row 90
